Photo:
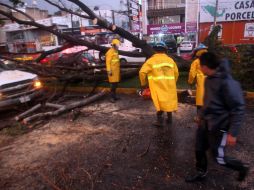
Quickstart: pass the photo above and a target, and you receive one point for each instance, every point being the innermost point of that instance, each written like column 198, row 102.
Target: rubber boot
column 243, row 172
column 169, row 119
column 159, row 121
column 198, row 176
column 113, row 93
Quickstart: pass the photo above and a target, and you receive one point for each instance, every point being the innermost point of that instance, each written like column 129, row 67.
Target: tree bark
column 65, row 108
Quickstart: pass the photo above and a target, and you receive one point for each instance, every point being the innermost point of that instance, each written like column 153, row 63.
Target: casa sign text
column 245, row 12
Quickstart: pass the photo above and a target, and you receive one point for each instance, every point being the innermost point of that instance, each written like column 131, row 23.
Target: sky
column 103, row 4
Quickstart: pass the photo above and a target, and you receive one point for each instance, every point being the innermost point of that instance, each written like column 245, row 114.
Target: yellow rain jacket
column 113, row 65
column 162, row 74
column 195, row 72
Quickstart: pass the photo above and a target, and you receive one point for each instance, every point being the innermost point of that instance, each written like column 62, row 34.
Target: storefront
column 240, row 32
column 169, row 32
column 236, row 19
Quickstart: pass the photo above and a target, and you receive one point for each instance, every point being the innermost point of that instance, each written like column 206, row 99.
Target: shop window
column 17, row 35
column 169, row 19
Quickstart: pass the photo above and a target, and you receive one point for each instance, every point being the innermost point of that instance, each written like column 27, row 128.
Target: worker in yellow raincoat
column 196, row 74
column 162, row 73
column 113, row 68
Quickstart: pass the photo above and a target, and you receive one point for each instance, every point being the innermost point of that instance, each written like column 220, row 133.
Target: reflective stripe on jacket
column 196, row 73
column 113, row 65
column 162, row 74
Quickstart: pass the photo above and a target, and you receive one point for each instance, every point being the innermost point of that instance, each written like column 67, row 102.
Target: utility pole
column 140, row 21
column 215, row 14
column 129, row 14
column 113, row 16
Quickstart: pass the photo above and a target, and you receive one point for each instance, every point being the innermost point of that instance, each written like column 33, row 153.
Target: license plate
column 24, row 99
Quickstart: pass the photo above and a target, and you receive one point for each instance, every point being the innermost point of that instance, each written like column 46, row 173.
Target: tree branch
column 67, row 10
column 147, row 50
column 13, row 8
column 56, row 50
column 68, row 38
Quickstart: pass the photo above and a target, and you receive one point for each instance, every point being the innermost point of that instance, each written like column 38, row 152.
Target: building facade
column 235, row 17
column 166, row 20
column 24, row 38
column 165, row 11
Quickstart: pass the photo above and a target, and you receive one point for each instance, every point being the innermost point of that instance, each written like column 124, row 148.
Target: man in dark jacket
column 220, row 118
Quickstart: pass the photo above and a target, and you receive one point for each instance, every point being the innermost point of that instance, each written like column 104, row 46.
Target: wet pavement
column 114, row 146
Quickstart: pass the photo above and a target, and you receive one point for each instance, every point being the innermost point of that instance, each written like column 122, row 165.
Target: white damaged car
column 17, row 88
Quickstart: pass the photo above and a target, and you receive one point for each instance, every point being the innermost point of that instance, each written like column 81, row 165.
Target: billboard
column 228, row 10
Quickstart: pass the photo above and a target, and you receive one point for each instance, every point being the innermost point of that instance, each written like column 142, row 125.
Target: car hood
column 13, row 76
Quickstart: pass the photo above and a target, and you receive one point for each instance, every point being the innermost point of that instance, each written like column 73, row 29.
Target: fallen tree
column 60, row 109
column 77, row 70
column 71, row 69
column 86, row 13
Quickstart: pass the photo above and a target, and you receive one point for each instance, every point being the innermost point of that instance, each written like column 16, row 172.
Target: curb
column 247, row 94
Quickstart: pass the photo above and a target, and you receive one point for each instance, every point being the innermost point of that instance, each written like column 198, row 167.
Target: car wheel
column 123, row 61
column 102, row 56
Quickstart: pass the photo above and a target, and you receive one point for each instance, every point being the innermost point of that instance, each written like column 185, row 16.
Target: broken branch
column 66, row 108
column 26, row 113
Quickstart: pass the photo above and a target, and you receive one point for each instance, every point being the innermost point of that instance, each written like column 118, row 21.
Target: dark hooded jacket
column 223, row 101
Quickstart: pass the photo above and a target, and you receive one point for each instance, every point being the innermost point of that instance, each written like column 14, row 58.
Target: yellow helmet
column 115, row 42
column 200, row 52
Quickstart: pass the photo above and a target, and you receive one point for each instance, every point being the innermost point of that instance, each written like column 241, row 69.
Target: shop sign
column 165, row 28
column 228, row 10
column 249, row 30
column 46, row 40
column 90, row 31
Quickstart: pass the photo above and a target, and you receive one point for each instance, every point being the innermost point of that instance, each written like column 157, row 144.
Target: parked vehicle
column 18, row 87
column 51, row 58
column 124, row 46
column 191, row 55
column 172, row 47
column 126, row 59
column 77, row 59
column 89, row 59
column 186, row 46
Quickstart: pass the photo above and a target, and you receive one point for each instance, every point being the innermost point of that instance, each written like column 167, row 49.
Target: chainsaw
column 144, row 93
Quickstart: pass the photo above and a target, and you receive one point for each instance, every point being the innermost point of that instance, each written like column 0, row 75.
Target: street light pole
column 215, row 14
column 113, row 16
